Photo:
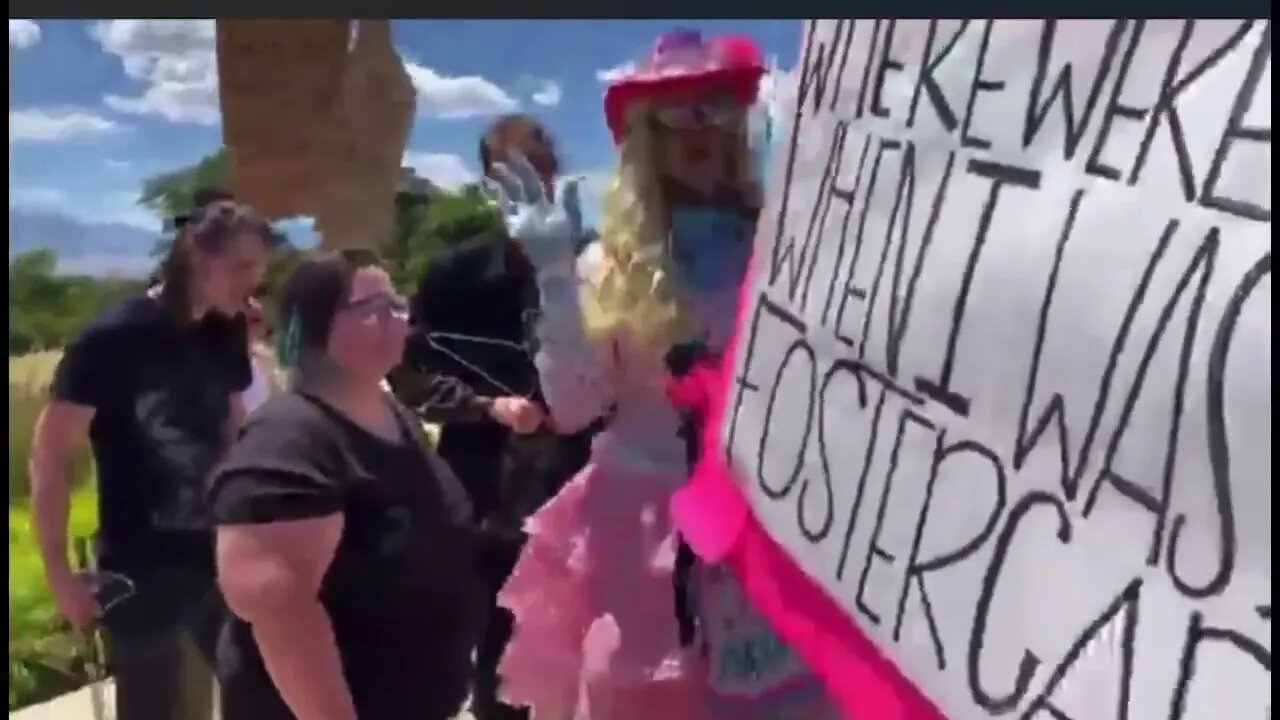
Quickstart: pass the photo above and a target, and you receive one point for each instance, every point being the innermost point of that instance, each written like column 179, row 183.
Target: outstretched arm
column 438, row 396
column 575, row 370
column 434, row 394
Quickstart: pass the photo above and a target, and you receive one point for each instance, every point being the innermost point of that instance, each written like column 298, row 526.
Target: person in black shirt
column 154, row 385
column 345, row 547
column 469, row 367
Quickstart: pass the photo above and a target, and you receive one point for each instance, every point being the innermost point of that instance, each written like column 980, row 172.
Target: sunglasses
column 692, row 116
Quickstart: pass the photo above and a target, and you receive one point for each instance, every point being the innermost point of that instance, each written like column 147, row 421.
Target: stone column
column 316, row 115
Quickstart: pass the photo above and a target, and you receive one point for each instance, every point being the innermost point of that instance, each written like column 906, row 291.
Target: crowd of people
column 282, row 523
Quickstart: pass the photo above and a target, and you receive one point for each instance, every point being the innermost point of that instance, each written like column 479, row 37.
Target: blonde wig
column 637, row 290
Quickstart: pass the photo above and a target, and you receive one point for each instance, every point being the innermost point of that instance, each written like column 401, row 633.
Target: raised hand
column 548, row 231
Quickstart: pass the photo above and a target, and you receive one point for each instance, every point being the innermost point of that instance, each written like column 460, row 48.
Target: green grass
column 45, row 658
column 29, row 378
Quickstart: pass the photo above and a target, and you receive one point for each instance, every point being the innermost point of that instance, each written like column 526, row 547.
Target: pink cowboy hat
column 684, row 66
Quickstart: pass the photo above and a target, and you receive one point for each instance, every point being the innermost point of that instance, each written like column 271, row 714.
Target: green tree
column 30, row 279
column 423, row 230
column 425, row 222
column 173, row 193
column 46, row 309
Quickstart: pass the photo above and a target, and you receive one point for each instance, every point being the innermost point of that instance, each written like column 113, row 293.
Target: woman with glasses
column 605, row 627
column 344, row 545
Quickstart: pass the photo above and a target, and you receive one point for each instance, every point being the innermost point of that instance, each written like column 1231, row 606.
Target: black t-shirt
column 161, row 392
column 401, row 589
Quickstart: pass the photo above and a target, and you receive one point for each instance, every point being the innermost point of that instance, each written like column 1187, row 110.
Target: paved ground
column 79, row 706
column 75, row 706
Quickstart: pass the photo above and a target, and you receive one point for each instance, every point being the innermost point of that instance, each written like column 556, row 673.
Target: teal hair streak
column 289, row 344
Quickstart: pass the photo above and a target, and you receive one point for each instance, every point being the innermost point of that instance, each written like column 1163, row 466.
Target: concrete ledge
column 72, row 706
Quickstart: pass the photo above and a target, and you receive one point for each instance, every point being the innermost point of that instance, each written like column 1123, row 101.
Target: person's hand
column 74, row 599
column 547, row 231
column 520, row 414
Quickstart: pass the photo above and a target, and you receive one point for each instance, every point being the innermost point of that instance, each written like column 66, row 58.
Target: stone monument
column 316, row 115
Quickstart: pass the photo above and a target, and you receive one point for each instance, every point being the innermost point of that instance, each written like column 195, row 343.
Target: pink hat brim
column 742, row 83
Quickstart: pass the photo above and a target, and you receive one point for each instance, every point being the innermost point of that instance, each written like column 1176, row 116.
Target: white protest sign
column 1004, row 386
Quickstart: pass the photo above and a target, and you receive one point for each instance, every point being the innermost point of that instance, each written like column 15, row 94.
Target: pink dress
column 596, row 634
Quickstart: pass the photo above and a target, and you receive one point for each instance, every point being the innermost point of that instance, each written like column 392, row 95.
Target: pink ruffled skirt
column 595, row 635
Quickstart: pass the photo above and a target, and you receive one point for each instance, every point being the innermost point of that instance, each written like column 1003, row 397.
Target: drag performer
column 598, row 633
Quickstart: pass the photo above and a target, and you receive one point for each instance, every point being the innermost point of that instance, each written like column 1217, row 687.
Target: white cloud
column 445, row 170
column 57, row 124
column 117, row 206
column 23, row 34
column 549, row 95
column 463, row 96
column 609, row 75
column 176, row 61
column 124, row 254
column 114, row 164
column 37, row 198
column 122, row 207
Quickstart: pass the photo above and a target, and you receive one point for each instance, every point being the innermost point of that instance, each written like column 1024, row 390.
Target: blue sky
column 95, row 107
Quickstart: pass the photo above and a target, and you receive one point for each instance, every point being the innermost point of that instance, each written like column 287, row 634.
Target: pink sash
column 718, row 524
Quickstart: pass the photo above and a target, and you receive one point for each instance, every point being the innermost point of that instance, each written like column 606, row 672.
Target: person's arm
column 279, row 513
column 426, row 381
column 445, row 399
column 575, row 373
column 80, row 385
column 61, row 430
column 429, row 380
column 270, row 575
column 435, row 395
